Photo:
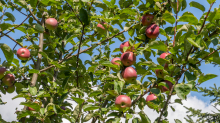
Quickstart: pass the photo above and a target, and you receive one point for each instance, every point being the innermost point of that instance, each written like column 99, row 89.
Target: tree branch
column 207, row 55
column 69, row 55
column 35, row 18
column 200, row 30
column 41, row 41
column 170, row 94
column 17, row 8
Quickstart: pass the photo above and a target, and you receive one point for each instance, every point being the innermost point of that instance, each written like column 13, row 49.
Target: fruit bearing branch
column 94, row 45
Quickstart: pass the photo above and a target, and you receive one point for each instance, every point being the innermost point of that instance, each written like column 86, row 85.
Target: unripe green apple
column 10, row 89
column 8, row 79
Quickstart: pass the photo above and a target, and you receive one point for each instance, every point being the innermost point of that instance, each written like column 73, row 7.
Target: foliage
column 55, row 74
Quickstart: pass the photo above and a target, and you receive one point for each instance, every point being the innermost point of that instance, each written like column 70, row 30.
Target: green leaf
column 197, row 5
column 65, row 81
column 155, row 90
column 33, row 105
column 38, row 27
column 83, row 15
column 182, row 90
column 129, row 116
column 136, row 120
column 178, row 101
column 167, row 16
column 32, row 90
column 184, row 4
column 109, row 64
column 211, row 1
column 90, row 107
column 88, row 117
column 207, row 77
column 188, row 18
column 112, row 92
column 158, row 45
column 7, row 52
column 5, row 26
column 78, row 100
column 193, row 42
column 10, row 16
column 189, row 76
column 144, row 117
column 33, row 71
column 177, row 121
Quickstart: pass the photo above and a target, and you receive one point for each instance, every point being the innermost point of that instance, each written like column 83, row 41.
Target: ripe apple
column 10, row 89
column 129, row 74
column 128, row 58
column 147, row 19
column 31, row 109
column 8, row 79
column 51, row 23
column 100, row 26
column 152, row 31
column 159, row 73
column 2, row 70
column 164, row 55
column 23, row 54
column 164, row 89
column 115, row 59
column 123, row 101
column 150, row 98
column 126, row 44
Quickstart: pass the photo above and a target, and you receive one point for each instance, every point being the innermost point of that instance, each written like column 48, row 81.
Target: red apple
column 2, row 70
column 128, row 58
column 8, row 79
column 115, row 59
column 126, row 44
column 23, row 54
column 100, row 25
column 147, row 19
column 152, row 31
column 31, row 109
column 150, row 98
column 10, row 89
column 164, row 55
column 129, row 74
column 159, row 73
column 164, row 89
column 51, row 23
column 123, row 101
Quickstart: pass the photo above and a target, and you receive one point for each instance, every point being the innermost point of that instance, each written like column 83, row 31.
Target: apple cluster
column 152, row 30
column 129, row 74
column 7, row 80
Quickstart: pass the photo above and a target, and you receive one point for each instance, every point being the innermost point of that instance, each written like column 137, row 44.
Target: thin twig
column 35, row 18
column 176, row 23
column 207, row 56
column 17, row 8
column 13, row 40
column 3, row 13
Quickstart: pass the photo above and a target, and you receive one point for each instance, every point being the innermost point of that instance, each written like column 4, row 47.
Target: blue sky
column 205, row 68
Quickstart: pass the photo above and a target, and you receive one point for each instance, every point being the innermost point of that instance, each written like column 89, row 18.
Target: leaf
column 184, row 4
column 78, row 100
column 193, row 42
column 10, row 16
column 177, row 121
column 83, row 15
column 65, row 81
column 207, row 77
column 90, row 107
column 112, row 92
column 38, row 27
column 7, row 52
column 33, row 71
column 33, row 105
column 136, row 120
column 197, row 5
column 211, row 1
column 167, row 16
column 182, row 90
column 144, row 117
column 189, row 76
column 88, row 117
column 158, row 45
column 178, row 101
column 155, row 90
column 32, row 90
column 189, row 18
column 129, row 116
column 109, row 64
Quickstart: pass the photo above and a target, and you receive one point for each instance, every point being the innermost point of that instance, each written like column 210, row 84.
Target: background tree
column 57, row 32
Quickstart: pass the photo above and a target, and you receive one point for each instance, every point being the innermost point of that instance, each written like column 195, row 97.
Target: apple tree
column 99, row 54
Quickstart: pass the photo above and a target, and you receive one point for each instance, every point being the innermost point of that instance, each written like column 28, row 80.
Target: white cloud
column 8, row 111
